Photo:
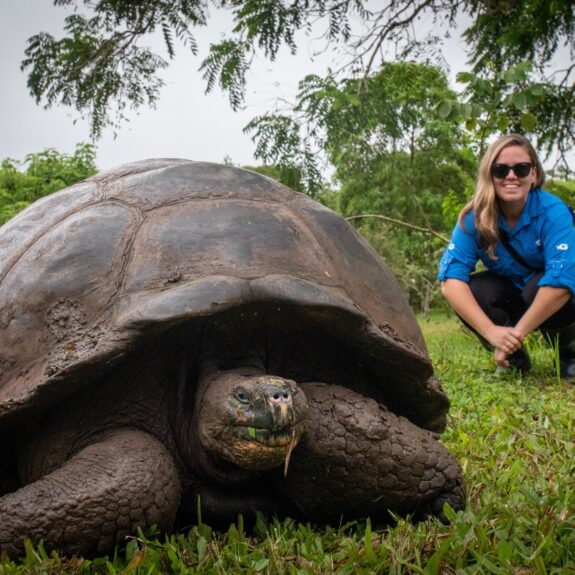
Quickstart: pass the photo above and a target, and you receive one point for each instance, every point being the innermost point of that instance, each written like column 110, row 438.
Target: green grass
column 515, row 439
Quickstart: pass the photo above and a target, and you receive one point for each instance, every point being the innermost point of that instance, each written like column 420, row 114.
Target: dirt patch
column 74, row 336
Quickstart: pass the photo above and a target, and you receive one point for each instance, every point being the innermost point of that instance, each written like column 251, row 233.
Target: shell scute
column 221, row 237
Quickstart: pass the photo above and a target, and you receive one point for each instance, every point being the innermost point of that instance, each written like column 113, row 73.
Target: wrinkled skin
column 358, row 453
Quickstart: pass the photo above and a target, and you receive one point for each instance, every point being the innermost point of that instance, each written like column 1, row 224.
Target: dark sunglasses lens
column 522, row 170
column 501, row 171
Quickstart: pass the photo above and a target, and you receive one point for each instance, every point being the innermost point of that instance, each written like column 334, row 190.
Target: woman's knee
column 498, row 297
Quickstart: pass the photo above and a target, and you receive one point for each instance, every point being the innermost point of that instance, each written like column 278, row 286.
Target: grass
column 515, row 439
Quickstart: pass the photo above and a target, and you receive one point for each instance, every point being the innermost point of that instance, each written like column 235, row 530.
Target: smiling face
column 512, row 190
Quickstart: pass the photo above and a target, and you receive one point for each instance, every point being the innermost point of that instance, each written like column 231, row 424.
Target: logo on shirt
column 538, row 243
column 451, row 246
column 563, row 247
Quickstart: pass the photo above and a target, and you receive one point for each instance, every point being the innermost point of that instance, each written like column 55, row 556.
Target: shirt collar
column 530, row 211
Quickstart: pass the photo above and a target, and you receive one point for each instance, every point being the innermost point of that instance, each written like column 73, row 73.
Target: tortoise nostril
column 280, row 396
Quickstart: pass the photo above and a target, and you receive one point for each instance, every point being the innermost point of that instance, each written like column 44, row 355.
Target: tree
column 41, row 174
column 413, row 162
column 100, row 67
column 352, row 123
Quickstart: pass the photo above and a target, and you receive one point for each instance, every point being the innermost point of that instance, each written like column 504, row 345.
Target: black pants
column 504, row 303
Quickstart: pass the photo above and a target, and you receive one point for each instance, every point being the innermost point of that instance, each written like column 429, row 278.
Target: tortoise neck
column 217, row 469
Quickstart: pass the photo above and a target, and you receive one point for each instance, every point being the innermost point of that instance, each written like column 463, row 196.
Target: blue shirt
column 543, row 236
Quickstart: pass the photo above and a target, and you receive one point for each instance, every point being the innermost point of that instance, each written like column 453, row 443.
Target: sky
column 187, row 123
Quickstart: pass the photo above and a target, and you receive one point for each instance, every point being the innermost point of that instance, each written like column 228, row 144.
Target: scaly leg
column 100, row 495
column 357, row 459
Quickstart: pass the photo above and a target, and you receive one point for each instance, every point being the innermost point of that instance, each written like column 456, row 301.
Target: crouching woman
column 526, row 240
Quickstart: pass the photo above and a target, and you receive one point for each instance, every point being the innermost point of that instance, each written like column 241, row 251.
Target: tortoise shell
column 132, row 254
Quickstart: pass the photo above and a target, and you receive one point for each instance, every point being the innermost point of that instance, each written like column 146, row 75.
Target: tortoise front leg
column 100, row 495
column 356, row 459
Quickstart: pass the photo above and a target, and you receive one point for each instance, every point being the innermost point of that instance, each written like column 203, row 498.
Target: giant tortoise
column 179, row 335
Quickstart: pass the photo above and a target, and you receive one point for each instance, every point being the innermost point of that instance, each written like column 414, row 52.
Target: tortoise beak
column 274, row 406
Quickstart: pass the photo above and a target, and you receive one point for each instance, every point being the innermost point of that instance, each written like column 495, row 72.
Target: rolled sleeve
column 460, row 257
column 559, row 249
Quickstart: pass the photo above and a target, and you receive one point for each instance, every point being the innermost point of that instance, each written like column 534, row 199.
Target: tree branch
column 400, row 222
column 391, row 25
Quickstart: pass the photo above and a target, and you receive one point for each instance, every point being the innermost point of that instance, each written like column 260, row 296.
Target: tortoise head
column 252, row 421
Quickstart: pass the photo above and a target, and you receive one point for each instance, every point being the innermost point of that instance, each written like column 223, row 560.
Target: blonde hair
column 484, row 201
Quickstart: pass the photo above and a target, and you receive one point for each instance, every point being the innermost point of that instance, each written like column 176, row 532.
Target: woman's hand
column 504, row 339
column 501, row 358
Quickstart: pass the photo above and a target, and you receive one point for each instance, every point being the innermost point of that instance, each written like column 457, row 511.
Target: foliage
column 509, row 32
column 506, row 36
column 100, row 67
column 41, row 174
column 412, row 191
column 287, row 175
column 514, row 101
column 509, row 101
column 357, row 122
column 514, row 439
column 565, row 189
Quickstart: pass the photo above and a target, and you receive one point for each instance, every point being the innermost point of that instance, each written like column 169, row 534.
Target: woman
column 525, row 238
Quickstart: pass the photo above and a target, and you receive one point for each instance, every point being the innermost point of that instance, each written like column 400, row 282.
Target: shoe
column 520, row 361
column 567, row 369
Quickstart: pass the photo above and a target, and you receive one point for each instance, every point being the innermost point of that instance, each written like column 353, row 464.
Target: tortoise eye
column 242, row 396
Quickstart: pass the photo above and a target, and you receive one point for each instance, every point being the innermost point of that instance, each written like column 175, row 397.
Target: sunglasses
column 501, row 171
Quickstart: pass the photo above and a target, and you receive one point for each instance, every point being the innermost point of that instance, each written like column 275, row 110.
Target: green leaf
column 466, row 110
column 519, row 100
column 433, row 565
column 261, row 564
column 449, row 512
column 537, row 90
column 445, row 108
column 202, row 546
column 504, row 550
column 465, row 77
column 528, row 122
column 477, row 109
column 470, row 124
column 503, row 123
column 508, row 101
column 517, row 73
